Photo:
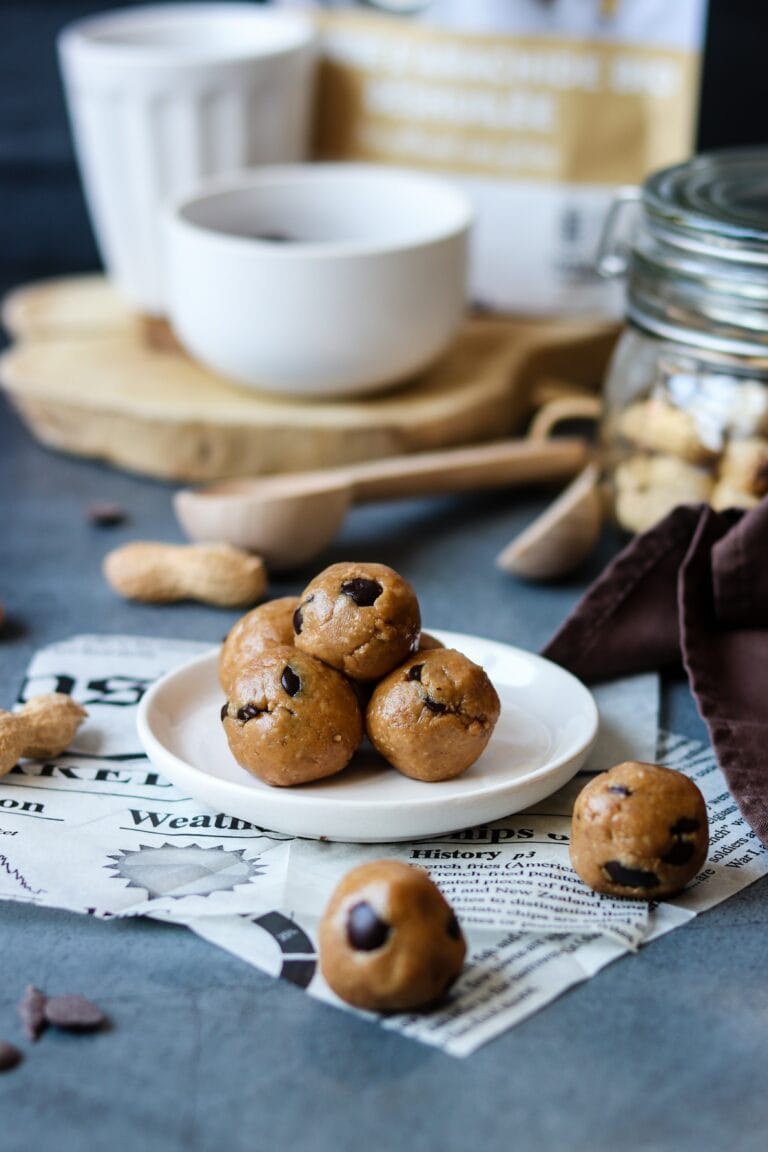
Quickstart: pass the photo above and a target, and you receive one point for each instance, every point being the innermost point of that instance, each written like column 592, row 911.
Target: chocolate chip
column 290, row 681
column 619, row 789
column 10, row 1056
column 224, row 711
column 103, row 515
column 274, row 237
column 249, row 712
column 434, row 705
column 31, row 1010
column 453, row 929
column 683, row 825
column 414, row 673
column 680, row 852
column 365, row 930
column 362, row 591
column 629, row 877
column 74, row 1013
column 298, row 616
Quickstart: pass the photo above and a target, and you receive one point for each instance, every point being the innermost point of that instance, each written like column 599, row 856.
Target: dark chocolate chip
column 103, row 515
column 434, row 705
column 224, row 710
column 453, row 929
column 362, row 591
column 620, row 789
column 618, row 873
column 680, row 852
column 74, row 1013
column 249, row 712
column 274, row 237
column 298, row 616
column 290, row 681
column 365, row 930
column 683, row 825
column 31, row 1009
column 10, row 1056
column 414, row 673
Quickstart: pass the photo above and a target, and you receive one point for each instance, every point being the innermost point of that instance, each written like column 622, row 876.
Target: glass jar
column 686, row 394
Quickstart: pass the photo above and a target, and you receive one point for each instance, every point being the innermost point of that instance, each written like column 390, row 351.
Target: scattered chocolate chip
column 248, row 712
column 10, row 1056
column 74, row 1013
column 362, row 591
column 365, row 930
column 620, row 789
column 629, row 877
column 106, row 515
column 31, row 1010
column 224, row 711
column 434, row 705
column 680, row 852
column 453, row 929
column 414, row 673
column 290, row 681
column 683, row 825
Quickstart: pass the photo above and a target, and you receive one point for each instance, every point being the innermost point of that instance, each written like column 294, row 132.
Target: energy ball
column 389, row 941
column 427, row 642
column 291, row 719
column 270, row 623
column 360, row 618
column 432, row 717
column 639, row 831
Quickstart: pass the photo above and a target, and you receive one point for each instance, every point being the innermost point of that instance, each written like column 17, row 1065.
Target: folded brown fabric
column 692, row 591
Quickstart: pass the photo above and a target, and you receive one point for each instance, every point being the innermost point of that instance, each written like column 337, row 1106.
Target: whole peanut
column 44, row 726
column 211, row 573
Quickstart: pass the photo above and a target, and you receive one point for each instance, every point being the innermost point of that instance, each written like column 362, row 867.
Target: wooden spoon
column 562, row 536
column 290, row 518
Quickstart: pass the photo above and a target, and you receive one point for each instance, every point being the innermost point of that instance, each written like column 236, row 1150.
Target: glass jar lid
column 698, row 265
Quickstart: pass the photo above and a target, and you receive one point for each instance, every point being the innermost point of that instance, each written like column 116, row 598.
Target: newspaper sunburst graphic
column 170, row 870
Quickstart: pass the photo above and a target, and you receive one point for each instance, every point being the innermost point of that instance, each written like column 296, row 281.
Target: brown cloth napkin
column 692, row 590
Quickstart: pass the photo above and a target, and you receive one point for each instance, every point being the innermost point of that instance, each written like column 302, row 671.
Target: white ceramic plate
column 547, row 726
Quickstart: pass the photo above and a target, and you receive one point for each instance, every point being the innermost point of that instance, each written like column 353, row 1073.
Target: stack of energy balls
column 307, row 677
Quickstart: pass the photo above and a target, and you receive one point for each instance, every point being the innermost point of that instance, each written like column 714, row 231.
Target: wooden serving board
column 88, row 376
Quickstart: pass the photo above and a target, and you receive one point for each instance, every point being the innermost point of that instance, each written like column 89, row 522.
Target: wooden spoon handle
column 493, row 465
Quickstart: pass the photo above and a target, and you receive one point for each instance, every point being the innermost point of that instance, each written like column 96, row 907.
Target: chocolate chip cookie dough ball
column 361, row 618
column 639, row 831
column 291, row 719
column 389, row 941
column 427, row 642
column 432, row 717
column 270, row 623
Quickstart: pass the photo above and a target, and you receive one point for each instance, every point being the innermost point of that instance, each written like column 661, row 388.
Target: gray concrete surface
column 662, row 1051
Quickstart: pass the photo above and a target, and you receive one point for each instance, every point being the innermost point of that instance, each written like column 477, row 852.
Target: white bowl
column 318, row 279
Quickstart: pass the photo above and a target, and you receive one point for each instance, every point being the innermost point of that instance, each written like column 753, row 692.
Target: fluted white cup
column 162, row 97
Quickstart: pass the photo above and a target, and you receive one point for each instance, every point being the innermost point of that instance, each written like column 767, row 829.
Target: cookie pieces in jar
column 711, row 448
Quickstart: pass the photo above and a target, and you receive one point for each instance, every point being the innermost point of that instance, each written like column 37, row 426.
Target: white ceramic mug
column 162, row 97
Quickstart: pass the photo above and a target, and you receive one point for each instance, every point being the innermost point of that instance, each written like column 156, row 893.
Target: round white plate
column 547, row 726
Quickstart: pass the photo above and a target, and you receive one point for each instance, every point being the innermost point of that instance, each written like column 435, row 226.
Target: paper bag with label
column 539, row 108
